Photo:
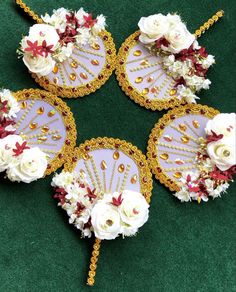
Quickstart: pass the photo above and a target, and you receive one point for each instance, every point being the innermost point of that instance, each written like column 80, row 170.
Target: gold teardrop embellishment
column 23, row 105
column 134, row 179
column 177, row 174
column 40, row 110
column 172, row 92
column 56, row 137
column 145, row 91
column 144, row 62
column 182, row 127
column 121, row 168
column 137, row 53
column 74, row 64
column 164, row 156
column 196, row 124
column 45, row 129
column 83, row 75
column 185, row 139
column 103, row 165
column 116, row 155
column 138, row 80
column 51, row 113
column 33, row 126
column 95, row 47
column 42, row 139
column 95, row 62
column 55, row 69
column 72, row 76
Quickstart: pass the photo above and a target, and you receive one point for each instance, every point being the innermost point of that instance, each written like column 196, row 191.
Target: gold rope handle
column 27, row 10
column 208, row 23
column 93, row 262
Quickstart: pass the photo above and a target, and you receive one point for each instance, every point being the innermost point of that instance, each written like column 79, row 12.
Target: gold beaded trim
column 96, row 83
column 28, row 10
column 201, row 30
column 129, row 89
column 67, row 117
column 157, row 131
column 144, row 172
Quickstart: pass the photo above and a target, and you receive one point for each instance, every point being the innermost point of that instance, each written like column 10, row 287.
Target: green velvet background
column 183, row 247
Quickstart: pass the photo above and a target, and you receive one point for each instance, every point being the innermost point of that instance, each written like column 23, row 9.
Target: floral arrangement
column 108, row 215
column 216, row 161
column 187, row 62
column 54, row 40
column 20, row 162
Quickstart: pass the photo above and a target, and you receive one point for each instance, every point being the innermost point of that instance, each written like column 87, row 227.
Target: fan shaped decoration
column 162, row 65
column 105, row 189
column 192, row 151
column 37, row 131
column 68, row 53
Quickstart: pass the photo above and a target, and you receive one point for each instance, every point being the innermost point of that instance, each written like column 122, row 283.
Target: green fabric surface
column 183, row 247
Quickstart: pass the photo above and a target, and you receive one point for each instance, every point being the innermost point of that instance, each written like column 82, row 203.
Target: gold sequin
column 172, row 92
column 42, row 139
column 138, row 80
column 103, row 165
column 56, row 137
column 72, row 76
column 116, row 155
column 74, row 64
column 164, row 156
column 168, row 138
column 150, row 79
column 95, row 46
column 196, row 124
column 23, row 105
column 33, row 126
column 185, row 139
column 95, row 62
column 83, row 75
column 179, row 161
column 40, row 110
column 145, row 91
column 55, row 69
column 177, row 174
column 45, row 129
column 137, row 53
column 144, row 62
column 182, row 127
column 121, row 168
column 133, row 179
column 51, row 113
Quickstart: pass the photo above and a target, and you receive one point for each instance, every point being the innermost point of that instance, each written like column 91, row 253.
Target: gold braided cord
column 28, row 10
column 93, row 262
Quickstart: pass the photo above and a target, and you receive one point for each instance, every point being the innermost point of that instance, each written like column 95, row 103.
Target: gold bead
column 137, row 53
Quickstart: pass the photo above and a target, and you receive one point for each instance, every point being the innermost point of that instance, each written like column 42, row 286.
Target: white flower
column 152, row 28
column 209, row 185
column 186, row 93
column 64, row 52
column 179, row 38
column 63, row 179
column 105, row 220
column 183, row 195
column 99, row 25
column 83, row 36
column 133, row 211
column 196, row 45
column 80, row 15
column 222, row 152
column 196, row 81
column 40, row 65
column 32, row 165
column 199, row 198
column 220, row 189
column 58, row 19
column 12, row 104
column 222, row 124
column 7, row 145
column 169, row 60
column 208, row 61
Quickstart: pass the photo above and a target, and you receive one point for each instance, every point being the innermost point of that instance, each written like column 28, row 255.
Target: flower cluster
column 216, row 162
column 54, row 40
column 167, row 36
column 20, row 162
column 108, row 215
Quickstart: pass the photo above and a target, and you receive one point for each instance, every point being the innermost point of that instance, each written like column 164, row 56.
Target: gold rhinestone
column 177, row 174
column 172, row 92
column 40, row 110
column 145, row 91
column 168, row 138
column 164, row 156
column 83, row 75
column 55, row 80
column 42, row 139
column 55, row 69
column 134, row 179
column 51, row 113
column 103, row 165
column 138, row 80
column 182, row 127
column 116, row 155
column 196, row 124
column 23, row 105
column 45, row 129
column 121, row 168
column 137, row 53
column 150, row 79
column 185, row 139
column 86, row 156
column 95, row 46
column 56, row 137
column 74, row 64
column 33, row 126
column 95, row 62
column 144, row 62
column 72, row 76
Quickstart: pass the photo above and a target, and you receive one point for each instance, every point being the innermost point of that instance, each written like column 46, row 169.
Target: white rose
column 7, row 145
column 222, row 124
column 152, row 28
column 105, row 220
column 222, row 153
column 5, row 95
column 40, row 65
column 133, row 211
column 58, row 19
column 179, row 38
column 173, row 20
column 99, row 25
column 41, row 32
column 83, row 36
column 32, row 165
column 186, row 93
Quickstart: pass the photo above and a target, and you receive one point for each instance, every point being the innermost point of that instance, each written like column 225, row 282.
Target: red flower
column 3, row 106
column 117, row 202
column 71, row 19
column 20, row 148
column 180, row 81
column 91, row 194
column 80, row 208
column 200, row 71
column 46, row 49
column 89, row 21
column 162, row 42
column 214, row 137
column 60, row 194
column 3, row 124
column 34, row 48
column 202, row 52
column 217, row 174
